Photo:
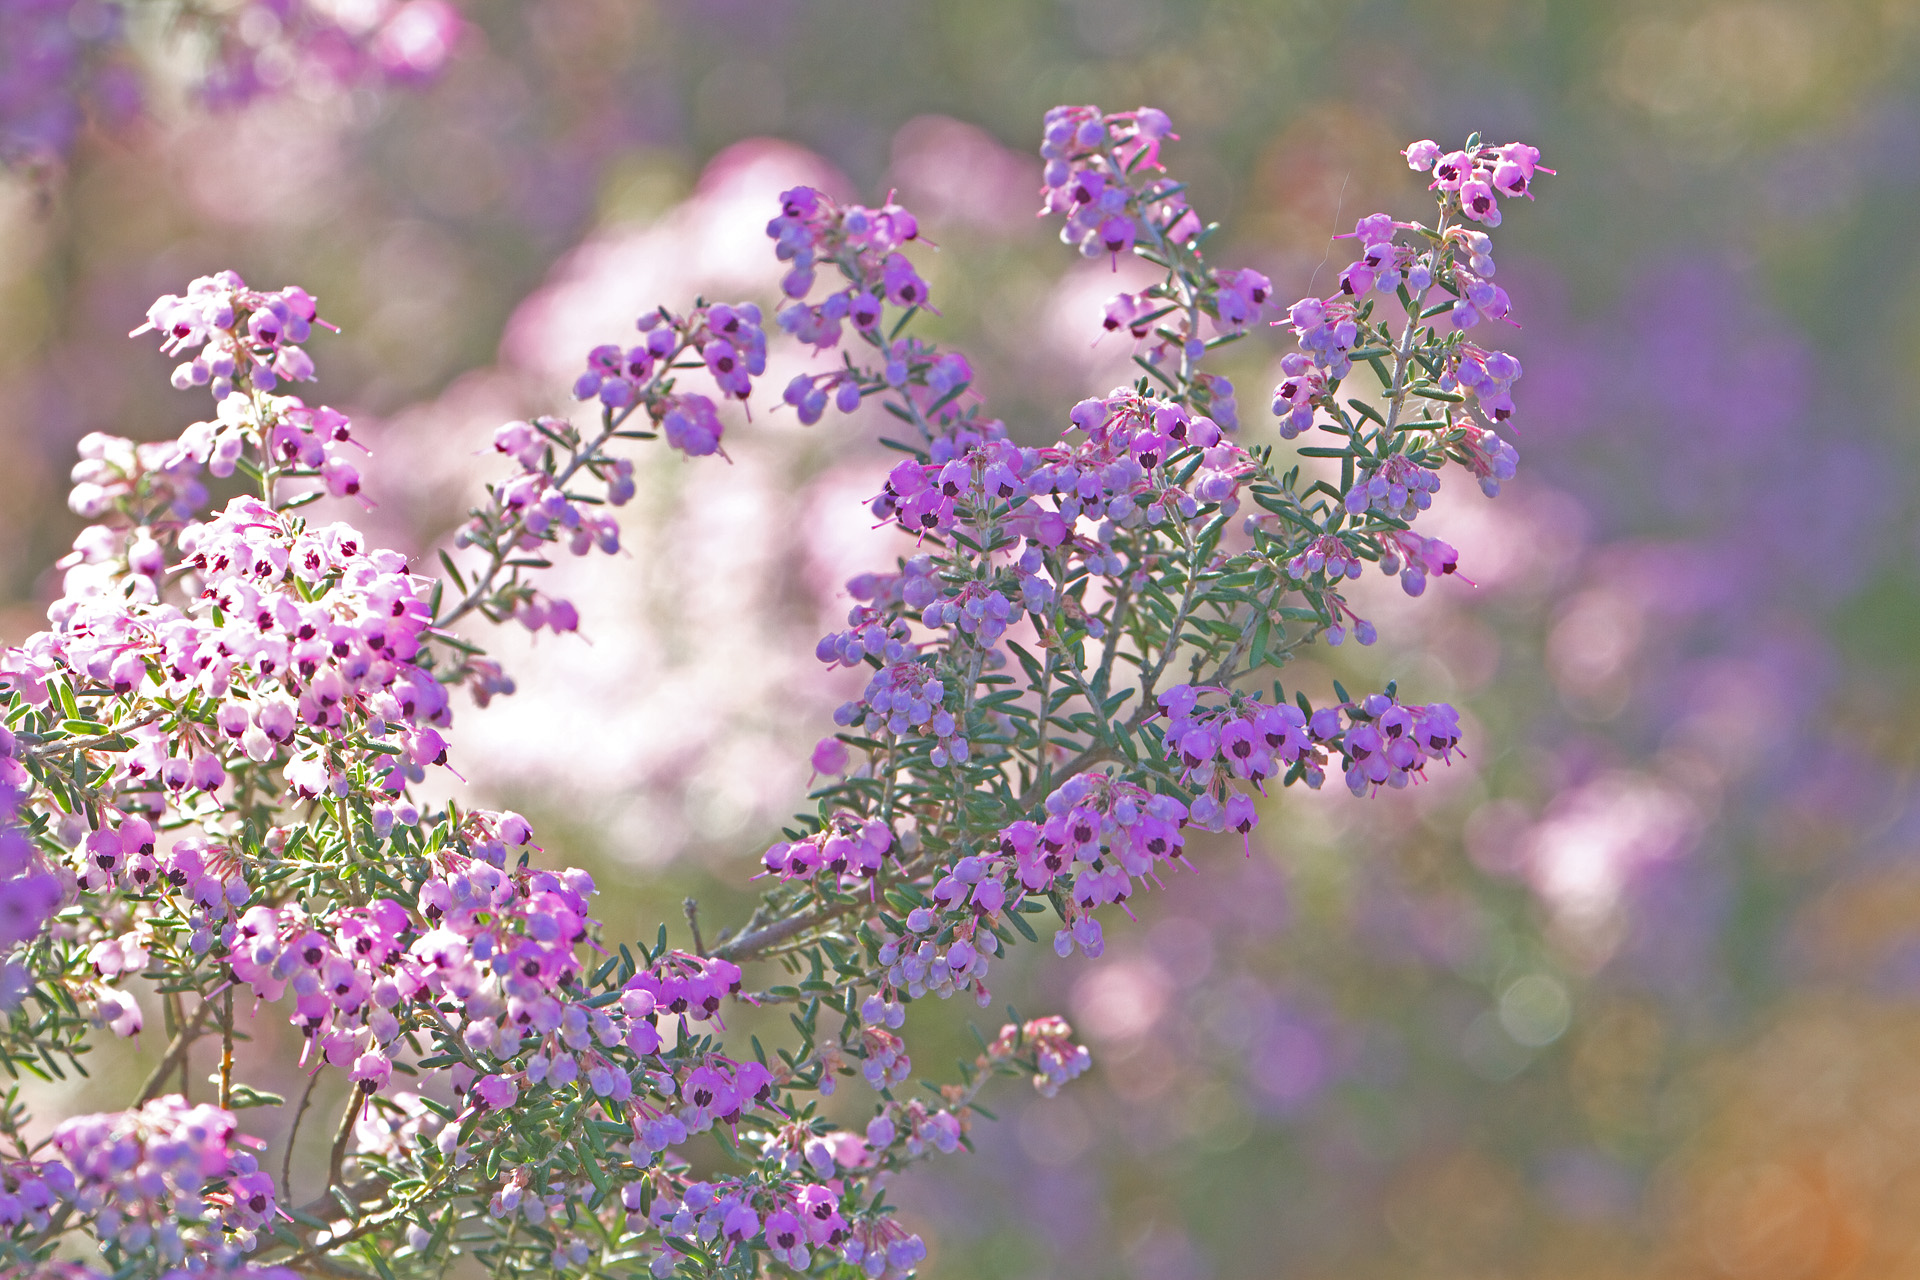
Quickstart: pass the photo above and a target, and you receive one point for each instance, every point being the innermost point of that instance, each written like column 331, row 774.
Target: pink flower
column 495, row 1092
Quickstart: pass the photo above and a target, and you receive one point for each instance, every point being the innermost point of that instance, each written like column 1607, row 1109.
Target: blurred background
column 1634, row 990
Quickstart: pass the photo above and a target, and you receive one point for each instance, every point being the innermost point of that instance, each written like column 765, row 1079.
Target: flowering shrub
column 219, row 761
column 64, row 61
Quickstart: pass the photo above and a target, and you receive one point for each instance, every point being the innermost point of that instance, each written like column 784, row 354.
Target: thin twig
column 226, row 1052
column 286, row 1162
column 176, row 1054
column 337, row 1159
column 751, row 944
column 692, row 908
column 313, row 1252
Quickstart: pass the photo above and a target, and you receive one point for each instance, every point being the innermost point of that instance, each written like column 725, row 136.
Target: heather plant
column 222, row 762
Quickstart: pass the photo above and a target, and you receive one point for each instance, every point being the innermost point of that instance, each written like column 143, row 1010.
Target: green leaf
column 453, row 571
column 245, row 1095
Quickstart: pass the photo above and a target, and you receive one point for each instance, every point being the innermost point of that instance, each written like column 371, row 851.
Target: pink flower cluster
column 729, row 342
column 848, row 846
column 1487, row 376
column 245, row 332
column 1057, row 1059
column 499, row 942
column 198, row 672
column 298, row 636
column 1090, row 160
column 171, row 1176
column 800, row 1222
column 31, row 1191
column 246, row 340
column 295, row 639
column 1380, row 742
column 1119, row 473
column 1477, row 177
column 1302, row 385
column 1424, row 558
column 544, row 509
column 690, row 985
column 1392, row 480
column 1098, row 174
column 865, row 246
column 1122, row 470
column 864, row 243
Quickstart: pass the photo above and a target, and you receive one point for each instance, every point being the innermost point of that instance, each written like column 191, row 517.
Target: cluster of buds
column 1326, row 330
column 905, row 698
column 1491, row 457
column 1401, row 487
column 977, row 610
column 1328, row 554
column 869, row 634
column 916, row 1129
column 941, row 953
